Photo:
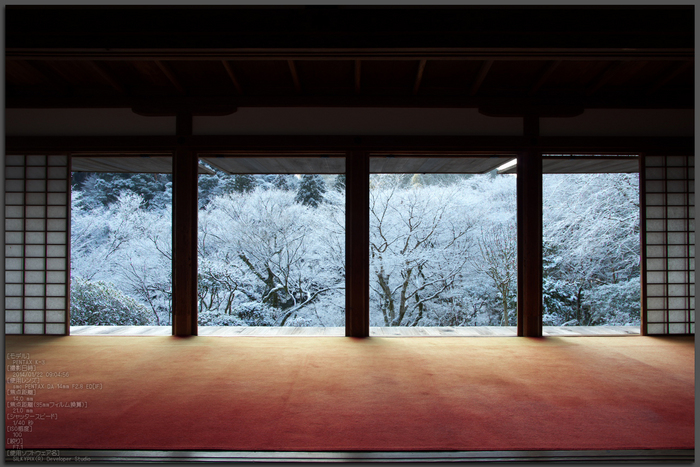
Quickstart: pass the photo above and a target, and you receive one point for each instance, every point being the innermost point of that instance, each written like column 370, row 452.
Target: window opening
column 121, row 245
column 443, row 245
column 591, row 252
column 271, row 245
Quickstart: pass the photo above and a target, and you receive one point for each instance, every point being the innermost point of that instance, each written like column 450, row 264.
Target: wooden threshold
column 272, row 331
column 588, row 456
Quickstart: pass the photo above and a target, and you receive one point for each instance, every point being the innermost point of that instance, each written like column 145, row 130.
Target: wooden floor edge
column 144, row 456
column 374, row 331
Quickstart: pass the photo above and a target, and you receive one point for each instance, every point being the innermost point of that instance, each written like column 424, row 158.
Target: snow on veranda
column 442, row 253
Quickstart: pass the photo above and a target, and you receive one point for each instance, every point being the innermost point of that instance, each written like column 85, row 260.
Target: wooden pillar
column 357, row 244
column 529, row 192
column 643, row 328
column 184, row 232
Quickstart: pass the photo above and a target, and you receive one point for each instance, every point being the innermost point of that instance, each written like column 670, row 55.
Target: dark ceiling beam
column 543, row 77
column 171, row 76
column 604, row 77
column 295, row 76
column 358, row 73
column 658, row 101
column 317, row 144
column 172, row 111
column 485, row 67
column 48, row 75
column 290, row 144
column 668, row 76
column 183, row 106
column 106, row 75
column 403, row 53
column 112, row 145
column 28, row 65
column 232, row 75
column 528, row 111
column 419, row 75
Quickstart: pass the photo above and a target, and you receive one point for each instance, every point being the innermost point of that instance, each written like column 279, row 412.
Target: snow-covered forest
column 443, row 250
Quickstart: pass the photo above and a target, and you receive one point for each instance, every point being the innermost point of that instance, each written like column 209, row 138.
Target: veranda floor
column 472, row 331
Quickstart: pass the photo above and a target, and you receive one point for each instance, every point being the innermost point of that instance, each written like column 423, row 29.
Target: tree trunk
column 387, row 301
column 578, row 306
column 403, row 306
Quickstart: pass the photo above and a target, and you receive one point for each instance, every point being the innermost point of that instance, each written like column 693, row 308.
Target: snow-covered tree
column 128, row 245
column 98, row 303
column 419, row 245
column 102, row 189
column 276, row 249
column 339, row 184
column 243, row 183
column 443, row 250
column 497, row 259
column 591, row 238
column 311, row 190
column 284, row 182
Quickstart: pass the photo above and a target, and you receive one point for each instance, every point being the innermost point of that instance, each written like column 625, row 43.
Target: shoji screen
column 36, row 244
column 669, row 194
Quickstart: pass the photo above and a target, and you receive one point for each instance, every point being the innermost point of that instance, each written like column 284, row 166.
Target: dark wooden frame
column 357, row 244
column 676, row 456
column 375, row 144
column 186, row 150
column 529, row 215
column 643, row 245
column 184, row 232
column 529, row 218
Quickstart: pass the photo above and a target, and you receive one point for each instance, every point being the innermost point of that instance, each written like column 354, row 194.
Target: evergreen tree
column 284, row 182
column 244, row 183
column 102, row 189
column 311, row 190
column 208, row 186
column 339, row 184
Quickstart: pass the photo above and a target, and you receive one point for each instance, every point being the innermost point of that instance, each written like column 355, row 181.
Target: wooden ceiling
column 333, row 164
column 584, row 165
column 212, row 60
column 127, row 164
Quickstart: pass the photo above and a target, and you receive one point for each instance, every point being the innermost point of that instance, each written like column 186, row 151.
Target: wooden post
column 643, row 244
column 529, row 192
column 184, row 232
column 357, row 244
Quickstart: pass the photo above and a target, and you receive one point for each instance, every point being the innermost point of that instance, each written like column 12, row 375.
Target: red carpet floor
column 340, row 394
